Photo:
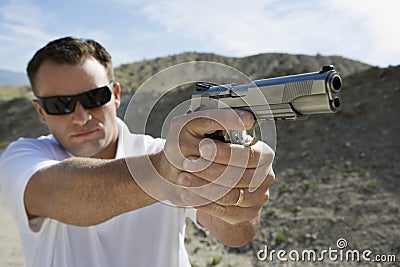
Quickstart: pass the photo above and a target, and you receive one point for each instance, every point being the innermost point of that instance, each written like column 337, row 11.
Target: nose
column 80, row 116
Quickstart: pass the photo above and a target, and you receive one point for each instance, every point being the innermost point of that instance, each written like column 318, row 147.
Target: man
column 72, row 192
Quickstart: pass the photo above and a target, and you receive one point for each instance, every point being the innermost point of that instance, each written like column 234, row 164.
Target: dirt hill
column 256, row 67
column 337, row 175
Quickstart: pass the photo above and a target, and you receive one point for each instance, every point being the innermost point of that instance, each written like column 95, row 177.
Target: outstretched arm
column 85, row 191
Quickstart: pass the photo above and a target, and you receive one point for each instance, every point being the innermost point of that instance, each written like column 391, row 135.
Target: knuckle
column 224, row 151
column 268, row 154
column 267, row 180
column 264, row 154
column 204, row 120
column 248, row 176
column 263, row 196
column 228, row 199
column 254, row 155
column 258, row 198
column 271, row 176
column 251, row 213
column 218, row 211
column 185, row 147
column 266, row 196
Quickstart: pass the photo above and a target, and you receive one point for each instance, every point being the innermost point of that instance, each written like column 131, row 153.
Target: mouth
column 84, row 134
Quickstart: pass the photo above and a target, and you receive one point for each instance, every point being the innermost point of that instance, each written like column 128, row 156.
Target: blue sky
column 133, row 30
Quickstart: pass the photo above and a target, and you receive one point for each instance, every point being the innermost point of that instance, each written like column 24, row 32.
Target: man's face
column 84, row 132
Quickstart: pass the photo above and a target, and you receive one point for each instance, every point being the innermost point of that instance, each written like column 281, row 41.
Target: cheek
column 57, row 126
column 105, row 112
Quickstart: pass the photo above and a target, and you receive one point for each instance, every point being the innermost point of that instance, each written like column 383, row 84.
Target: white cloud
column 24, row 20
column 361, row 30
column 136, row 29
column 22, row 30
column 381, row 24
column 26, row 26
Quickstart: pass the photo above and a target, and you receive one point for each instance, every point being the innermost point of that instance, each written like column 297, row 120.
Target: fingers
column 187, row 131
column 187, row 138
column 228, row 176
column 253, row 156
column 230, row 214
column 209, row 121
column 212, row 173
column 200, row 192
column 245, row 164
column 227, row 208
column 198, row 124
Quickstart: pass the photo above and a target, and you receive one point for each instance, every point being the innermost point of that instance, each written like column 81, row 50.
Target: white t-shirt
column 151, row 236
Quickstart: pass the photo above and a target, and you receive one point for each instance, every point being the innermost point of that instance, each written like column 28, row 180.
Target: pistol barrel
column 281, row 98
column 288, row 97
column 302, row 94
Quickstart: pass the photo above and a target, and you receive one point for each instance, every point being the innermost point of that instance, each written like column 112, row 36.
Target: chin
column 85, row 152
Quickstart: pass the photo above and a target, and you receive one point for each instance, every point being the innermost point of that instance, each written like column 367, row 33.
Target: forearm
column 85, row 191
column 232, row 235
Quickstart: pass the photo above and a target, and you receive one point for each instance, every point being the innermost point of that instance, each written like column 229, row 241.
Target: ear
column 117, row 95
column 39, row 111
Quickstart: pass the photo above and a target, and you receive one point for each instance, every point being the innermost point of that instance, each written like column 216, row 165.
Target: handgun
column 282, row 98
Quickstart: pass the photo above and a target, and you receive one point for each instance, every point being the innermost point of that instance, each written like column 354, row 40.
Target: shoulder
column 139, row 144
column 44, row 145
column 18, row 163
column 131, row 144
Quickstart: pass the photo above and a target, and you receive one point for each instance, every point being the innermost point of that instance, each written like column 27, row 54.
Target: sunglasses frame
column 42, row 101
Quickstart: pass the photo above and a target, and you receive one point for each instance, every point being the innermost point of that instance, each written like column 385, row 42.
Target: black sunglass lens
column 60, row 105
column 96, row 98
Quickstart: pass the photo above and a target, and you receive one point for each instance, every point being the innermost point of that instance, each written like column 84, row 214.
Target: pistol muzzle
column 335, row 83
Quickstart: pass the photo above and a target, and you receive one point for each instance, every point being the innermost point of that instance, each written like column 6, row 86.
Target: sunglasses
column 61, row 105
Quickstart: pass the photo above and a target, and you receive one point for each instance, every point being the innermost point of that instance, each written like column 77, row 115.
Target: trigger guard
column 256, row 134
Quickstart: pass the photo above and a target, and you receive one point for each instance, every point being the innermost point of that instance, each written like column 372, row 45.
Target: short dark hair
column 69, row 50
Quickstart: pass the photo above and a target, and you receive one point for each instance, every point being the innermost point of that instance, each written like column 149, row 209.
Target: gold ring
column 241, row 197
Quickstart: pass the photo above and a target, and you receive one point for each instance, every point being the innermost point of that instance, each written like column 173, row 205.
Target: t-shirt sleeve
column 191, row 213
column 19, row 162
